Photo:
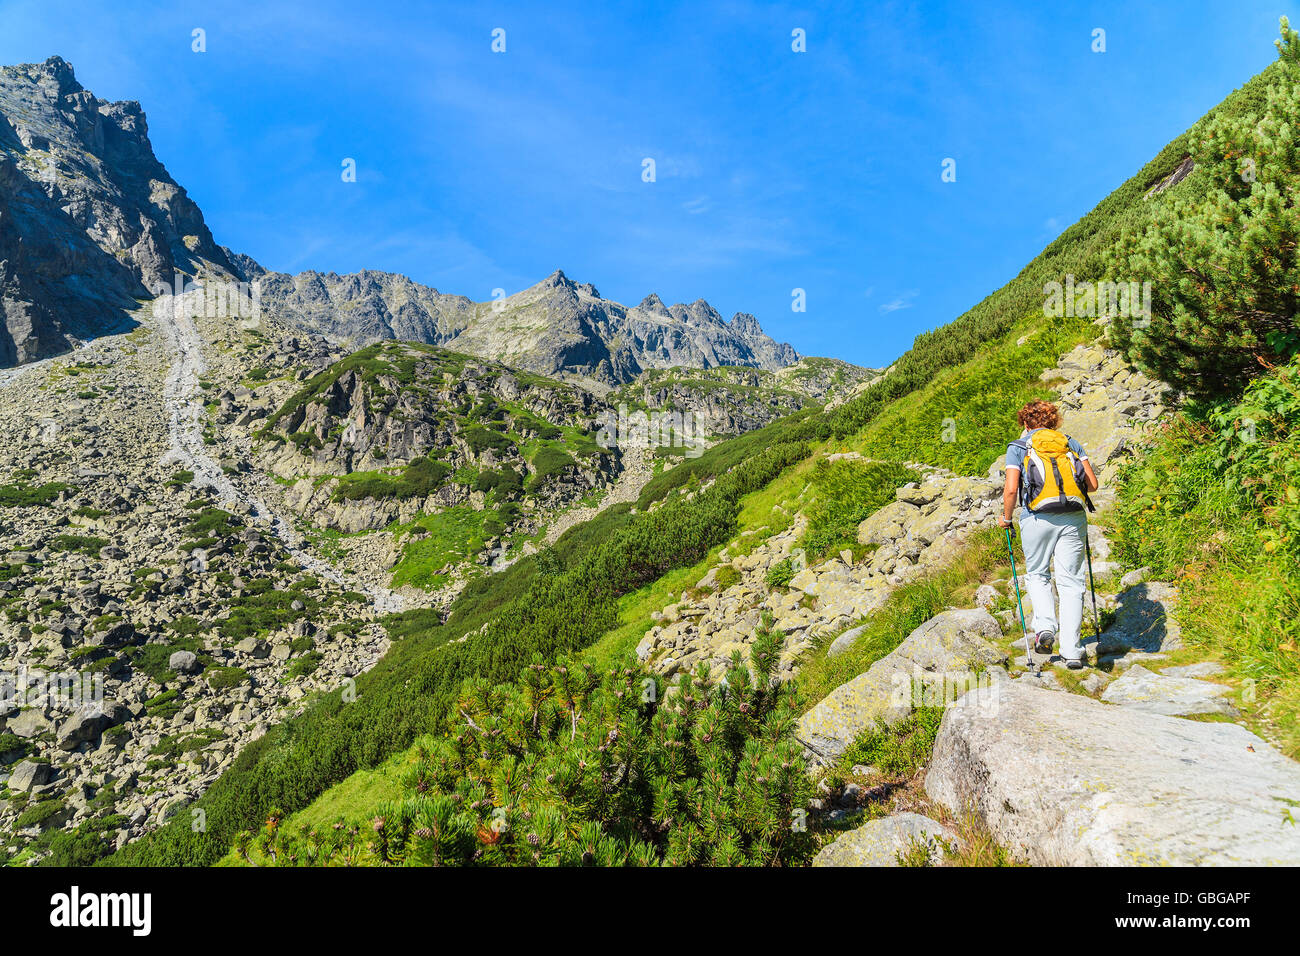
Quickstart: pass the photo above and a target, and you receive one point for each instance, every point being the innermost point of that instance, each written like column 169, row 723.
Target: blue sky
column 775, row 170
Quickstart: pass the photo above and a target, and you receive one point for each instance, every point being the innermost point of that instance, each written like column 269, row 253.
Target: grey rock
column 1200, row 669
column 1144, row 620
column 87, row 722
column 117, row 635
column 253, row 646
column 1061, row 779
column 28, row 774
column 183, row 662
column 949, row 647
column 30, row 723
column 1143, row 690
column 881, row 842
column 556, row 327
column 1134, row 578
column 844, row 641
column 1094, row 682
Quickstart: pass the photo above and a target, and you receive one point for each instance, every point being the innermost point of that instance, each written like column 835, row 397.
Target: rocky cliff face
column 557, row 327
column 399, row 430
column 89, row 219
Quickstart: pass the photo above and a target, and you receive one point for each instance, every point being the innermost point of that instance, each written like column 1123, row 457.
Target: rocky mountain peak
column 556, row 280
column 698, row 313
column 56, row 76
column 90, row 220
column 652, row 303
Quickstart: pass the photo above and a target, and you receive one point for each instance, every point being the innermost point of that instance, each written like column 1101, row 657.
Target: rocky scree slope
column 557, row 328
column 188, row 609
column 90, row 221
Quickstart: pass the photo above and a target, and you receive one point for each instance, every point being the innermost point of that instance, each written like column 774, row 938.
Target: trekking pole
column 1092, row 584
column 1029, row 654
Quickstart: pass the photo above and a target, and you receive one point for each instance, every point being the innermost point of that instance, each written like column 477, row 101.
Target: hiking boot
column 1044, row 642
column 1075, row 665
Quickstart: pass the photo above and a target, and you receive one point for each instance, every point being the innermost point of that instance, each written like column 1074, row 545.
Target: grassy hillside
column 974, row 370
column 1214, row 504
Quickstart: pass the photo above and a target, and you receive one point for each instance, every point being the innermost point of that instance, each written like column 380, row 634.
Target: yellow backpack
column 1053, row 478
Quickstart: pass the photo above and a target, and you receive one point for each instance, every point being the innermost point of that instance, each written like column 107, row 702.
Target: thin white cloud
column 901, row 301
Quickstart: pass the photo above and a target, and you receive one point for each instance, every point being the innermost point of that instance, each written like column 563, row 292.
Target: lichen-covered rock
column 881, row 842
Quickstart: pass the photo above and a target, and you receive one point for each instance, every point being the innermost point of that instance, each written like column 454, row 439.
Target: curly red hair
column 1039, row 415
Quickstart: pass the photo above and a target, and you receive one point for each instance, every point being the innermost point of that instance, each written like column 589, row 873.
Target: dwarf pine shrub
column 572, row 767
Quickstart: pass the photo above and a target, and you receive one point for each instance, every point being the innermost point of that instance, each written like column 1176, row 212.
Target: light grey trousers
column 1059, row 538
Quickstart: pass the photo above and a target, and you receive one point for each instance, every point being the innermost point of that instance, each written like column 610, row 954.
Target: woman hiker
column 1049, row 476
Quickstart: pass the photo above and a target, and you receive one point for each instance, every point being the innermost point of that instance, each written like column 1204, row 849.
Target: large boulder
column 954, row 640
column 115, row 635
column 888, row 523
column 879, row 842
column 948, row 648
column 29, row 723
column 29, row 774
column 88, row 721
column 183, row 662
column 1061, row 779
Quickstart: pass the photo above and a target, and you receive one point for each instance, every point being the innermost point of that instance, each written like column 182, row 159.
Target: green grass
column 449, row 537
column 848, row 491
column 960, row 420
column 347, row 800
column 420, row 478
column 634, row 612
column 20, row 495
column 898, row 751
column 80, row 543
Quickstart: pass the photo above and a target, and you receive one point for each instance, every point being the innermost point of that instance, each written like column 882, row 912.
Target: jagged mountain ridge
column 90, row 220
column 557, row 327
